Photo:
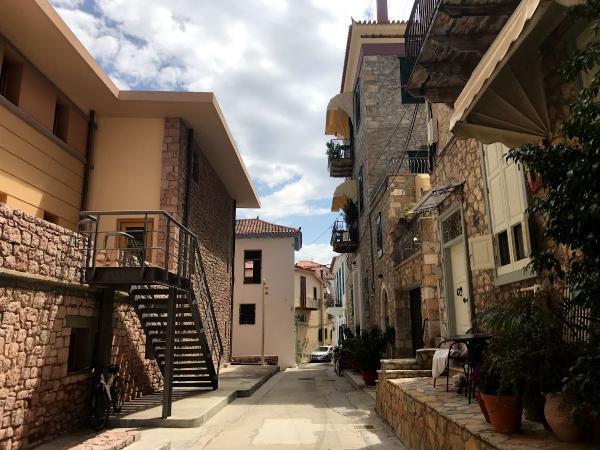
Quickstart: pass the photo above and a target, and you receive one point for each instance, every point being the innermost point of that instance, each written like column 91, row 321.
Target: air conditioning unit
column 432, row 131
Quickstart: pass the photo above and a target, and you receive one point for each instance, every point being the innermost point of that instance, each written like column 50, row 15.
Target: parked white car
column 322, row 353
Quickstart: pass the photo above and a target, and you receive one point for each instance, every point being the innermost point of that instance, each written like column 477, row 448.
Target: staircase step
column 185, row 364
column 178, row 327
column 425, row 357
column 187, row 359
column 191, row 377
column 205, row 384
column 403, row 373
column 400, row 364
column 197, row 369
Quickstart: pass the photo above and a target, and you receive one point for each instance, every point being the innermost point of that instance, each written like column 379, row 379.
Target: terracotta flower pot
column 369, row 376
column 484, row 410
column 558, row 415
column 505, row 411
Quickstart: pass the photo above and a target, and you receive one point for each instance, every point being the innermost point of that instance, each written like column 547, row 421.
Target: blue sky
column 273, row 65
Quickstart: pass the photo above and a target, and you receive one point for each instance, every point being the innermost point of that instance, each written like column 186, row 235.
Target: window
column 508, row 208
column 196, row 167
column 252, row 266
column 247, row 314
column 315, row 293
column 379, row 234
column 10, row 81
column 357, row 104
column 49, row 217
column 321, row 335
column 3, row 197
column 361, row 191
column 61, row 121
column 135, row 229
column 81, row 343
column 303, row 291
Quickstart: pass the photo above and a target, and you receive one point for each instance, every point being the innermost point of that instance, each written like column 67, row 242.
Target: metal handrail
column 417, row 28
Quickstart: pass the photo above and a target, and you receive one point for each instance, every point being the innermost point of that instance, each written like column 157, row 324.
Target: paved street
column 307, row 408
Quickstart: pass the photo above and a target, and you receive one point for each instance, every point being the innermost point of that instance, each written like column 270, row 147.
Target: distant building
column 264, row 256
column 313, row 325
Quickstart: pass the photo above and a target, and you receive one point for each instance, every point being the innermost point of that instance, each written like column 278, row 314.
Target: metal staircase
column 162, row 269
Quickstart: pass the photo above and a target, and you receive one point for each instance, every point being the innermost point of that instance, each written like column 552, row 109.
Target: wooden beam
column 469, row 43
column 490, row 9
column 460, row 70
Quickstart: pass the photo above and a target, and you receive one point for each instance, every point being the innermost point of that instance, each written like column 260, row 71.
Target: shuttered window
column 508, row 208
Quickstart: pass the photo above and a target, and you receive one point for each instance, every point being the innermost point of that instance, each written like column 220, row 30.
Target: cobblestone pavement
column 308, row 408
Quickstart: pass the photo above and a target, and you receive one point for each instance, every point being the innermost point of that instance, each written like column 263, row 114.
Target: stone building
column 158, row 178
column 381, row 149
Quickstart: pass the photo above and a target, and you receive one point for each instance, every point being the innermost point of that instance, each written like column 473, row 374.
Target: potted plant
column 333, row 149
column 350, row 211
column 581, row 387
column 500, row 391
column 368, row 350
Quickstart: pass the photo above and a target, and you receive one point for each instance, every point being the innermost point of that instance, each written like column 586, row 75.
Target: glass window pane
column 503, row 249
column 518, row 242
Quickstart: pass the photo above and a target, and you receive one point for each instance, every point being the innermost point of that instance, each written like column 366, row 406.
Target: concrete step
column 403, row 373
column 400, row 364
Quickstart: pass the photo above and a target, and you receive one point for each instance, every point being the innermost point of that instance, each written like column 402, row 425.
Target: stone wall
column 211, row 217
column 39, row 398
column 379, row 148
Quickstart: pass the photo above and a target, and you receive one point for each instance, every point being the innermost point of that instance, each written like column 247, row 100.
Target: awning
column 504, row 99
column 339, row 114
column 435, row 197
column 344, row 192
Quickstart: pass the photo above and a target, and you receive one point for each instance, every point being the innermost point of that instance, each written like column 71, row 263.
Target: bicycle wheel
column 117, row 394
column 100, row 409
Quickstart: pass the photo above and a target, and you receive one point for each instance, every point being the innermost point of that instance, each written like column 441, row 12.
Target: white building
column 338, row 292
column 264, row 256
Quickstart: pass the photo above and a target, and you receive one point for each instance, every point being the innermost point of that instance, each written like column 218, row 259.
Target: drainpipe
column 89, row 157
column 188, row 185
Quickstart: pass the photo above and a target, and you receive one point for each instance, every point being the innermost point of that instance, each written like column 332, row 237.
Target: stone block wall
column 211, row 217
column 39, row 398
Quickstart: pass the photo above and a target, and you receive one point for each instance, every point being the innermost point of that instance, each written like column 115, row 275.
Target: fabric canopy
column 339, row 114
column 504, row 99
column 344, row 192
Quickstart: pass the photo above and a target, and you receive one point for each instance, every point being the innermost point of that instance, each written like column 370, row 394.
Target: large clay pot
column 505, row 411
column 484, row 410
column 369, row 376
column 558, row 415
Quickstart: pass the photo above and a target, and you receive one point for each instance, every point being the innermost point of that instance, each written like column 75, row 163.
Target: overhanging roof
column 340, row 111
column 504, row 99
column 39, row 33
column 344, row 192
column 435, row 198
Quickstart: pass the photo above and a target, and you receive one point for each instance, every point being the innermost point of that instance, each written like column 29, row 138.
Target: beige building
column 313, row 325
column 160, row 177
column 263, row 303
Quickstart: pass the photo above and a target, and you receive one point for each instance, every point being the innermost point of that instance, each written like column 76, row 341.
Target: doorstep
column 426, row 417
column 192, row 407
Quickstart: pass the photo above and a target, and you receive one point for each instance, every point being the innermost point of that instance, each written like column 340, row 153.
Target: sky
column 273, row 66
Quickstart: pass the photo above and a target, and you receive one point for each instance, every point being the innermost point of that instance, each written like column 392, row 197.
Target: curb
column 195, row 421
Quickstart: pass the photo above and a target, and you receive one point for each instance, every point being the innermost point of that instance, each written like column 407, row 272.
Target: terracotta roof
column 249, row 228
column 309, row 264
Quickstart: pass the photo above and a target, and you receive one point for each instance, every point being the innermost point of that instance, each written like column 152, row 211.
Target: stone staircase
column 417, row 367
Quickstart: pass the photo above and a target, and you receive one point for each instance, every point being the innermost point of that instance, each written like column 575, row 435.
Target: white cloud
column 273, row 65
column 321, row 253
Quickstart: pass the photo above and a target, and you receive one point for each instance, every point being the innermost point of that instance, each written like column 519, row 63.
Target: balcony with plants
column 344, row 235
column 444, row 42
column 340, row 157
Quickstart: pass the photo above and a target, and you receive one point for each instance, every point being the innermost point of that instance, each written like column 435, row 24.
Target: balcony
column 344, row 237
column 419, row 162
column 408, row 244
column 340, row 158
column 308, row 304
column 445, row 40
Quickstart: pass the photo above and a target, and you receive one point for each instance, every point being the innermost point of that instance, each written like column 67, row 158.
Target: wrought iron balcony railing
column 418, row 25
column 408, row 244
column 419, row 164
column 344, row 237
column 340, row 158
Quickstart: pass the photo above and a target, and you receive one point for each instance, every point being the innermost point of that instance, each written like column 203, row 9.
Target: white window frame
column 495, row 153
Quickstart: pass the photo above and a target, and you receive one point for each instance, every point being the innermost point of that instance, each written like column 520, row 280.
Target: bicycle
column 106, row 393
column 338, row 360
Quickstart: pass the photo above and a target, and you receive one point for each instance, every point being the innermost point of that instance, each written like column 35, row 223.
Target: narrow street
column 307, row 408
